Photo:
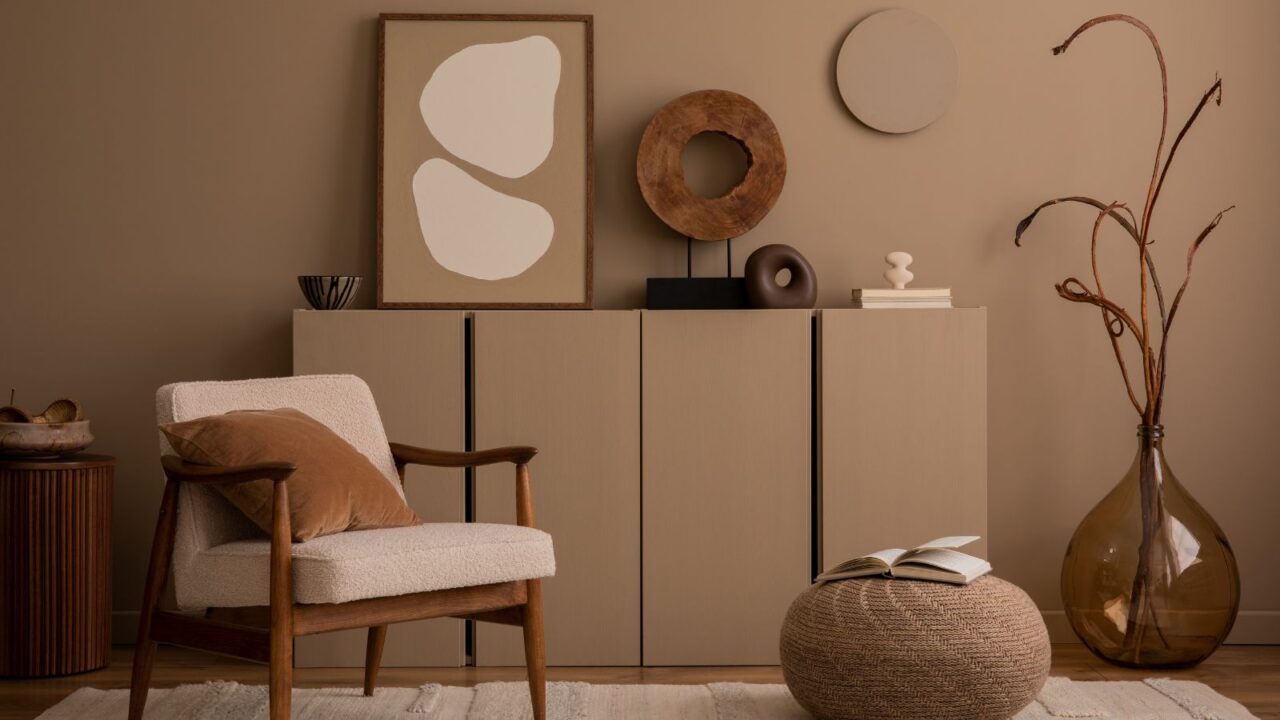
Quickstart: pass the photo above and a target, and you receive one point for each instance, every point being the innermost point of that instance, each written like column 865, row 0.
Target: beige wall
column 166, row 168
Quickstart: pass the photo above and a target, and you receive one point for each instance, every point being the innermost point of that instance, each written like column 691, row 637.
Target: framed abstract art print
column 484, row 161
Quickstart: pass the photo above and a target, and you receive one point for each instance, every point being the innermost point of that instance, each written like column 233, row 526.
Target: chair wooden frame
column 266, row 634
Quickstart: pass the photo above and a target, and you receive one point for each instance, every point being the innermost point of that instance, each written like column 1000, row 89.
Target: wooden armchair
column 255, row 595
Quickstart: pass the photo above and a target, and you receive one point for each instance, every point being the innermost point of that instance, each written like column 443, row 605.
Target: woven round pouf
column 878, row 649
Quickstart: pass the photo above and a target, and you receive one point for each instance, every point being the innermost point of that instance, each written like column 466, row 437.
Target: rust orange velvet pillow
column 335, row 488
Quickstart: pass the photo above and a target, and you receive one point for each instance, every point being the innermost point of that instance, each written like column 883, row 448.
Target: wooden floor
column 1249, row 674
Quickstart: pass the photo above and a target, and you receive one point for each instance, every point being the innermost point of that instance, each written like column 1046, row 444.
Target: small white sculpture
column 898, row 275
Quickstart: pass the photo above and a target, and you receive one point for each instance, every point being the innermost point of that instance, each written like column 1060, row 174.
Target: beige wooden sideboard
column 695, row 466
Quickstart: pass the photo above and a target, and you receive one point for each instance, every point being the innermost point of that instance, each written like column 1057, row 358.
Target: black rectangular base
column 725, row 293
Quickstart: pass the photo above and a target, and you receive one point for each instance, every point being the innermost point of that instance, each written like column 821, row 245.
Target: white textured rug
column 1154, row 699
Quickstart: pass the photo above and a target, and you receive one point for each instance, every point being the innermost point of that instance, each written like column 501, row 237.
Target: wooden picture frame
column 519, row 206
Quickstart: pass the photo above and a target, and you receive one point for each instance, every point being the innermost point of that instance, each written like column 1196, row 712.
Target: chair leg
column 280, row 688
column 373, row 657
column 144, row 653
column 535, row 650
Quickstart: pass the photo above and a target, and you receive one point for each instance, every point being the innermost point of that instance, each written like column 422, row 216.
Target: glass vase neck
column 1151, row 434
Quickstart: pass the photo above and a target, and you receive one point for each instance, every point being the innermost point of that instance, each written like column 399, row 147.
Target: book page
column 882, row 559
column 888, row 557
column 952, row 541
column 947, row 559
column 924, row 572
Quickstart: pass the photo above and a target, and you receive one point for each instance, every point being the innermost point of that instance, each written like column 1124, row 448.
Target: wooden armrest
column 182, row 471
column 410, row 455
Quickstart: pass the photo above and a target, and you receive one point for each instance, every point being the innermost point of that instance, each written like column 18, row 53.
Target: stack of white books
column 889, row 298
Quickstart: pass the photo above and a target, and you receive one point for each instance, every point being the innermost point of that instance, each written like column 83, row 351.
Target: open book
column 935, row 560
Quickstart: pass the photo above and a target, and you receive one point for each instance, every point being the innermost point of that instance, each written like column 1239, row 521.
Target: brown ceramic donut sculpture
column 660, row 170
column 762, row 271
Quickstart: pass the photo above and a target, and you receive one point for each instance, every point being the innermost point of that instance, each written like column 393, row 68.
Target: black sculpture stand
column 691, row 293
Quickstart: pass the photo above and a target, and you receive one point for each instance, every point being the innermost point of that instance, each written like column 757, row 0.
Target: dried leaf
column 1177, row 301
column 1101, row 206
column 1214, row 91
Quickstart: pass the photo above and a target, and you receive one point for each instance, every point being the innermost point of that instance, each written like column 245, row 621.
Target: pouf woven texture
column 879, row 649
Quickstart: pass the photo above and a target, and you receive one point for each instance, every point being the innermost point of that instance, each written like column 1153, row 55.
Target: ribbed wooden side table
column 55, row 565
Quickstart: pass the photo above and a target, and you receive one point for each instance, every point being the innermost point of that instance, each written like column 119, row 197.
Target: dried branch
column 1214, row 92
column 1130, row 226
column 1115, row 327
column 1164, row 91
column 1084, row 295
column 1177, row 301
column 1115, row 318
column 1148, row 363
column 1155, row 284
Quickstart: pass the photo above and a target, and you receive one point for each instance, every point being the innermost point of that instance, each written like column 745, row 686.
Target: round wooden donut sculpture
column 660, row 171
column 762, row 271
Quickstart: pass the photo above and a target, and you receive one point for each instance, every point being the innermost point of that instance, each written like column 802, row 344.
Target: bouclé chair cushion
column 335, row 488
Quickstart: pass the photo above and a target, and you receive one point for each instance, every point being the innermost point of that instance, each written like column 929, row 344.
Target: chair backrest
column 342, row 402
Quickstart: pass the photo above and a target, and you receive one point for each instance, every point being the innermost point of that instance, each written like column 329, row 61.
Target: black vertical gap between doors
column 469, row 473
column 640, row 404
column 815, row 476
column 469, row 413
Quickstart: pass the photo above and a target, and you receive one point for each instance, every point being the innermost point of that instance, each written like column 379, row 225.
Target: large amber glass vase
column 1149, row 579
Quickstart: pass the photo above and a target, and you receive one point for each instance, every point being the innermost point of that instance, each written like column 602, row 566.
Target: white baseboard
column 1253, row 627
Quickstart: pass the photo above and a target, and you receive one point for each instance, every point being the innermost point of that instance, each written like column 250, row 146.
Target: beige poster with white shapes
column 485, row 152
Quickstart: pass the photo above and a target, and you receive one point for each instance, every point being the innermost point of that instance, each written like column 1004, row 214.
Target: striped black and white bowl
column 329, row 292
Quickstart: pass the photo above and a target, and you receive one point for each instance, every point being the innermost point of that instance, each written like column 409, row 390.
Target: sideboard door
column 414, row 363
column 567, row 383
column 726, row 482
column 904, row 429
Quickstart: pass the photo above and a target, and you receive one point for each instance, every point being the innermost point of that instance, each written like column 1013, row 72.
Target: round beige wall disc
column 897, row 71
